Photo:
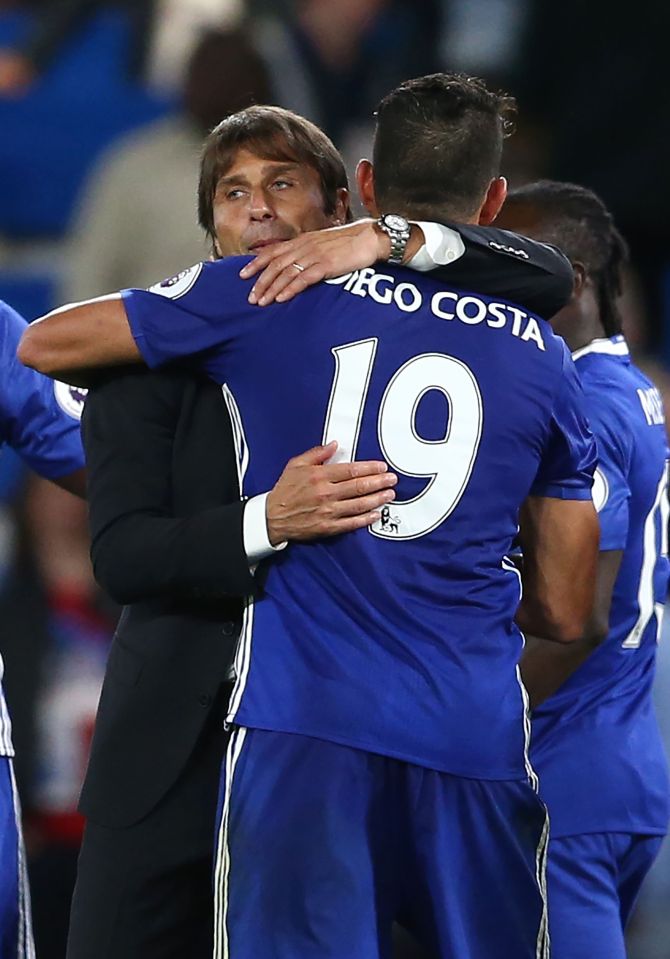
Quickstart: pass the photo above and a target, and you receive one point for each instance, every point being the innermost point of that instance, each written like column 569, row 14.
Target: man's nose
column 260, row 207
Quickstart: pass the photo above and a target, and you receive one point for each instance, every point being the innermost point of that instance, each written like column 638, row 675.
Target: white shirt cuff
column 441, row 246
column 257, row 545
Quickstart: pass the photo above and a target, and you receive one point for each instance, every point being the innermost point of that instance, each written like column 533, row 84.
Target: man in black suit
column 171, row 538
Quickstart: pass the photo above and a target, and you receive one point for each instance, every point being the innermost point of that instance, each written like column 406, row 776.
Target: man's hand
column 312, row 498
column 288, row 268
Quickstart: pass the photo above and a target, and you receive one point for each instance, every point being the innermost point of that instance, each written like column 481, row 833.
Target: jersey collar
column 612, row 346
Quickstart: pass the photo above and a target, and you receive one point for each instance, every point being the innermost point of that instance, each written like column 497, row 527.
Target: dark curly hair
column 576, row 219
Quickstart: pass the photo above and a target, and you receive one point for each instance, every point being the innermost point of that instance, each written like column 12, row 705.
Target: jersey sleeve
column 40, row 417
column 536, row 276
column 570, row 456
column 189, row 314
column 611, row 489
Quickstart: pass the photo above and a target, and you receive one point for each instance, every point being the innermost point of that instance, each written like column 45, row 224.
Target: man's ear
column 365, row 181
column 216, row 249
column 495, row 197
column 581, row 278
column 342, row 213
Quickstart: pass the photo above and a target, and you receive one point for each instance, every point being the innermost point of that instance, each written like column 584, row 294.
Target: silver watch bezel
column 398, row 233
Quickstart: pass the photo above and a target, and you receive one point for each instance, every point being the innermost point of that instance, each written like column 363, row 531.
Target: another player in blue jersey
column 596, row 743
column 378, row 769
column 40, row 420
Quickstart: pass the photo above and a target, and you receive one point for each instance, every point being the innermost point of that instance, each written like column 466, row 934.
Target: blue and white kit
column 596, row 744
column 384, row 661
column 39, row 419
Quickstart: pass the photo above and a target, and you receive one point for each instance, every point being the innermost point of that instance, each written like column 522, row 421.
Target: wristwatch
column 397, row 228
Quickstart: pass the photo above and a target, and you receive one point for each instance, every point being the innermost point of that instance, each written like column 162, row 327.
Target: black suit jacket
column 166, row 527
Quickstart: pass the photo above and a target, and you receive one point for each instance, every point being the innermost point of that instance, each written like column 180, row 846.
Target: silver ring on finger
column 299, row 267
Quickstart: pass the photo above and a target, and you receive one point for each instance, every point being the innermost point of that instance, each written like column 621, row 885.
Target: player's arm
column 141, row 549
column 73, row 482
column 187, row 315
column 559, row 538
column 558, row 524
column 545, row 666
column 494, row 262
column 79, row 337
column 40, row 418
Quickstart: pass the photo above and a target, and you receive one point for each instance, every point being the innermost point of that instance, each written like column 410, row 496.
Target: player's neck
column 584, row 332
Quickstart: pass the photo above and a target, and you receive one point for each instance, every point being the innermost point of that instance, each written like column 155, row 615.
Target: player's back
column 399, row 639
column 616, row 780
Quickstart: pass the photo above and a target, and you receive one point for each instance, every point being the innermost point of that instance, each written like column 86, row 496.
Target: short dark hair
column 274, row 134
column 438, row 144
column 576, row 219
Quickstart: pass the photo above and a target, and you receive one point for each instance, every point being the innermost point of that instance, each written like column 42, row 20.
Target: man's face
column 260, row 201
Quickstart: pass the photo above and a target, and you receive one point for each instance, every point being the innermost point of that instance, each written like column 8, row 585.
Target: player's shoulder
column 12, row 324
column 620, row 399
column 203, row 278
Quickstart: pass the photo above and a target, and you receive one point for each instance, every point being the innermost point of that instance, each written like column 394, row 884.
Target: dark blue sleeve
column 190, row 314
column 39, row 417
column 570, row 456
column 611, row 490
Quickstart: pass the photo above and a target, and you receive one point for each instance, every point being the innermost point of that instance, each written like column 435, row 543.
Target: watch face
column 395, row 222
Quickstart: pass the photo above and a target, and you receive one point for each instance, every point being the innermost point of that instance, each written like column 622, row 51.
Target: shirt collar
column 611, row 346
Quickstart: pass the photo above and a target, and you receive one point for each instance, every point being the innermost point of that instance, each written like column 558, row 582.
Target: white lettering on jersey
column 445, row 305
column 446, row 463
column 655, row 543
column 652, row 406
column 70, row 399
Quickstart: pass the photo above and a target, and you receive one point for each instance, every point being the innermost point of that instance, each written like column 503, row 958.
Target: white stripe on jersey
column 604, row 345
column 25, row 943
column 650, row 552
column 222, row 853
column 243, row 652
column 530, row 772
column 239, row 438
column 6, row 747
column 543, row 947
column 242, row 659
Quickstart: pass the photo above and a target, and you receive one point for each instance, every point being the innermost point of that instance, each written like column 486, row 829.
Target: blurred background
column 103, row 107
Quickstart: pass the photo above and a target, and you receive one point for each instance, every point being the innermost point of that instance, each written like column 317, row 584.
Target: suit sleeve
column 536, row 276
column 139, row 548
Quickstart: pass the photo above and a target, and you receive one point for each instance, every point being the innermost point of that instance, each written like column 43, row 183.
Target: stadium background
column 100, row 120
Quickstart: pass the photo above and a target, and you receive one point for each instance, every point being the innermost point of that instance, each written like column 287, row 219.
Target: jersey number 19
column 446, row 463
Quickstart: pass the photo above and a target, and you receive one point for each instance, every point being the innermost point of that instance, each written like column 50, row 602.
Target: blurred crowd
column 103, row 107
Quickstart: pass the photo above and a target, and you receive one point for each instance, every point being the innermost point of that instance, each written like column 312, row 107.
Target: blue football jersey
column 596, row 744
column 40, row 420
column 399, row 639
